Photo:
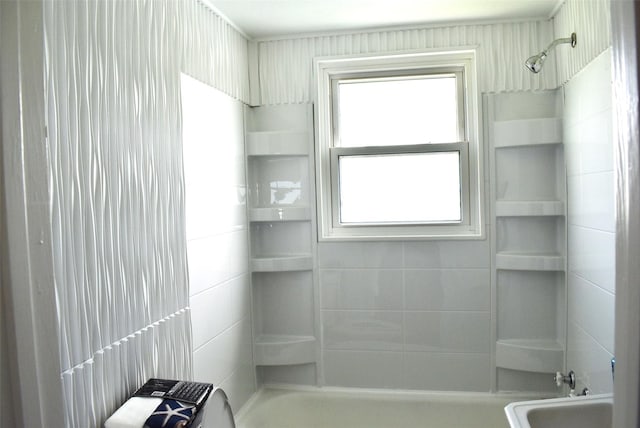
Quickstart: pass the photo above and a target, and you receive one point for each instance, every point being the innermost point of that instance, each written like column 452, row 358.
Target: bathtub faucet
column 569, row 379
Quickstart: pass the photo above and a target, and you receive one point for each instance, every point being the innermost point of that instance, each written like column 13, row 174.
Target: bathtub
column 279, row 407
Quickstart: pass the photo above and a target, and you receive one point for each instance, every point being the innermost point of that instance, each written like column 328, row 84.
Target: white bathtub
column 354, row 408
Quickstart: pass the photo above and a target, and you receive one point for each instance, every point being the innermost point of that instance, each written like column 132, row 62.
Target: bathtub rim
column 391, row 394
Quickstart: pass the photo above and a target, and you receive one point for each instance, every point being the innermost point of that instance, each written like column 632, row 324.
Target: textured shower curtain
column 112, row 79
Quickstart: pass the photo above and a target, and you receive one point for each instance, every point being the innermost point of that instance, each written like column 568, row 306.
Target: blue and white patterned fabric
column 170, row 414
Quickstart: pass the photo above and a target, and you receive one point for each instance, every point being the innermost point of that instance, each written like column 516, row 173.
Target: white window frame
column 328, row 72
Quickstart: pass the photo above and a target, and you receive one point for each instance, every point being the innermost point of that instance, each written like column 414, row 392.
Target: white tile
column 591, row 201
column 572, row 111
column 446, row 372
column 592, row 256
column 218, row 358
column 240, row 299
column 239, row 386
column 448, row 332
column 453, row 290
column 361, row 289
column 571, row 139
column 597, row 79
column 447, row 254
column 210, row 313
column 360, row 255
column 593, row 309
column 216, row 259
column 362, row 330
column 590, row 90
column 373, row 369
column 595, row 148
column 213, row 160
column 589, row 360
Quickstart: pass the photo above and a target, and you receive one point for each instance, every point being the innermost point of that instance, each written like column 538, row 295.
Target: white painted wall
column 217, row 246
column 588, row 139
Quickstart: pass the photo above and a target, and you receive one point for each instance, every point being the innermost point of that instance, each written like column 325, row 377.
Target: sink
column 592, row 411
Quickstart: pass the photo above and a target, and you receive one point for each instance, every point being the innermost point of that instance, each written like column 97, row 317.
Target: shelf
column 278, row 143
column 529, row 208
column 278, row 350
column 280, row 214
column 282, row 263
column 528, row 132
column 541, row 356
column 529, row 261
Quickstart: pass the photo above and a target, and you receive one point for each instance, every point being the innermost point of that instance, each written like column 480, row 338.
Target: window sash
column 330, row 69
column 391, row 75
column 336, row 152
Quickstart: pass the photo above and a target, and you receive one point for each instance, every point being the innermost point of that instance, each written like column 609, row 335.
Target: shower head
column 535, row 62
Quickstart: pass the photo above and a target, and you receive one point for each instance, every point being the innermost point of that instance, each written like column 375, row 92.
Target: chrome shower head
column 535, row 62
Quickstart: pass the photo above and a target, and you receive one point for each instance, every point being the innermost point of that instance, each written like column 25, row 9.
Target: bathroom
column 120, row 287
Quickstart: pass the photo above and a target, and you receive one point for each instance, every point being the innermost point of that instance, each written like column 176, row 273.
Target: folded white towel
column 133, row 413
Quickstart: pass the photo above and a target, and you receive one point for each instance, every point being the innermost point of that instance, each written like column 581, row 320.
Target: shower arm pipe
column 572, row 39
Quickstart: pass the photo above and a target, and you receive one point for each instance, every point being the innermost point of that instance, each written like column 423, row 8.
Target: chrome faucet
column 569, row 379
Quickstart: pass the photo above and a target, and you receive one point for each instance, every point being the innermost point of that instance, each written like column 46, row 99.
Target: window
column 398, row 147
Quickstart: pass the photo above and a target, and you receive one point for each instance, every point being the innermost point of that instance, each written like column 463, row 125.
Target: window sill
column 441, row 234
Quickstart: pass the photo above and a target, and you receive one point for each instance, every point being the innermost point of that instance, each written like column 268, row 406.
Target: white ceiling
column 271, row 18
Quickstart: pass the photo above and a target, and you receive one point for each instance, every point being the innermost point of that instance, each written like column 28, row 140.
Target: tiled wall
column 588, row 138
column 216, row 224
column 410, row 315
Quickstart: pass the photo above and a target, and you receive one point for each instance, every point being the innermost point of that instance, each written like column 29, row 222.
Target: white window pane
column 397, row 112
column 400, row 188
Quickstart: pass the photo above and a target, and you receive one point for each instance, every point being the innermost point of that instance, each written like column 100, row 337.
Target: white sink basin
column 593, row 411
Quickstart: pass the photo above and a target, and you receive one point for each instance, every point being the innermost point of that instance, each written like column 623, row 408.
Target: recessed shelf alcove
column 529, row 239
column 279, row 147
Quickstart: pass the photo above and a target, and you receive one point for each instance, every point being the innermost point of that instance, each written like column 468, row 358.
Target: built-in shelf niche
column 529, row 238
column 285, row 326
column 530, row 243
column 279, row 148
column 514, row 380
column 534, row 234
column 527, row 132
column 280, row 238
column 278, row 182
column 530, row 173
column 277, row 143
column 278, row 350
column 530, row 355
column 530, row 331
column 528, row 303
